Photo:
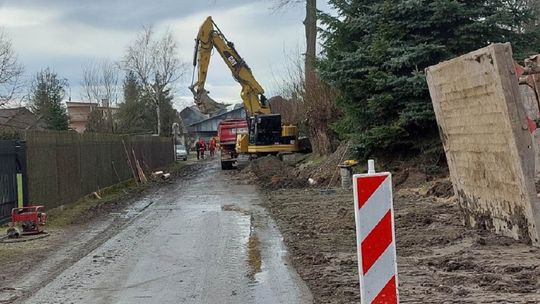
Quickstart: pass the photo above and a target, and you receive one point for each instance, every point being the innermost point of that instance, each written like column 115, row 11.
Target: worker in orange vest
column 202, row 147
column 212, row 147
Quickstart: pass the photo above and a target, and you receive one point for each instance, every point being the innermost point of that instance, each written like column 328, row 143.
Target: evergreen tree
column 375, row 53
column 135, row 113
column 99, row 121
column 168, row 114
column 46, row 95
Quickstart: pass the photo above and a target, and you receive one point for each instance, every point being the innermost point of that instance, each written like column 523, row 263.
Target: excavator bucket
column 206, row 104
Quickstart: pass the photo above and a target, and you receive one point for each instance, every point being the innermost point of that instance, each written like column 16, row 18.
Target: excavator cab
column 265, row 129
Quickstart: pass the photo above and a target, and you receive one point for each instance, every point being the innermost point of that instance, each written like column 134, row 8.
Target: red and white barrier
column 375, row 237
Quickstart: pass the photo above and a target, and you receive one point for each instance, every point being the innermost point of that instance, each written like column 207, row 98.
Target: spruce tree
column 46, row 95
column 168, row 114
column 137, row 113
column 375, row 53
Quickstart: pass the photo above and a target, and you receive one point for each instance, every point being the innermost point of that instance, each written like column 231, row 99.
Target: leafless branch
column 10, row 70
column 155, row 62
column 100, row 82
column 281, row 4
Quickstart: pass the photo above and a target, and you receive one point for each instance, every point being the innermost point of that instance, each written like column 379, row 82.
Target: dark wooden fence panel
column 12, row 162
column 64, row 166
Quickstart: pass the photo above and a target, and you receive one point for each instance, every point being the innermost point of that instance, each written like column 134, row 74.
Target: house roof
column 80, row 104
column 220, row 115
column 191, row 115
column 18, row 118
column 7, row 114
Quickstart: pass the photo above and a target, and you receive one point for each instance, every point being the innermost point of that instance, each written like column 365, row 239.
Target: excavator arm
column 209, row 37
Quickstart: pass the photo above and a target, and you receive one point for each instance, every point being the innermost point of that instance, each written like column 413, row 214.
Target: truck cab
column 228, row 129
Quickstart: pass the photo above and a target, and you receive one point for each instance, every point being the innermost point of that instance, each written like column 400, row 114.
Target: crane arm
column 209, row 37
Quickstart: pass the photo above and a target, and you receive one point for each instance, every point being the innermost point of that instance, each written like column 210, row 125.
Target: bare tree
column 302, row 83
column 315, row 101
column 155, row 62
column 100, row 85
column 10, row 70
column 310, row 27
column 100, row 82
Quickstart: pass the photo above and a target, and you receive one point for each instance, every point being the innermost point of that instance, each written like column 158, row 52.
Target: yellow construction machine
column 265, row 133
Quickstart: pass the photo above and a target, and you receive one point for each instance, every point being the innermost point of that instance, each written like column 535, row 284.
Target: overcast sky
column 66, row 34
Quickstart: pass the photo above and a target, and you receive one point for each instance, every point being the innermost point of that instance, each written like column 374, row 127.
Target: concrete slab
column 483, row 125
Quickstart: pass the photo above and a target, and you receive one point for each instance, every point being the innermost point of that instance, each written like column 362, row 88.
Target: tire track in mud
column 184, row 247
column 69, row 245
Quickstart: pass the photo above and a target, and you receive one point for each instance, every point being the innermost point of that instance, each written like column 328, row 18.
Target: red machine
column 31, row 218
column 227, row 130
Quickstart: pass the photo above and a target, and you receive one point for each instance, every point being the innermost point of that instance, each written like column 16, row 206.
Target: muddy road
column 204, row 239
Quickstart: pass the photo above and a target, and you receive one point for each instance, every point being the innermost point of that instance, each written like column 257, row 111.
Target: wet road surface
column 203, row 240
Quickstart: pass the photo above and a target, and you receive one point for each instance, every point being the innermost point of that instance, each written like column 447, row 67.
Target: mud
column 271, row 173
column 263, row 245
column 441, row 188
column 439, row 260
column 28, row 266
column 185, row 243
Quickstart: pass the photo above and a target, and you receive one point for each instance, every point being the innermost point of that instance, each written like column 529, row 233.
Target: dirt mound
column 408, row 177
column 271, row 173
column 442, row 189
column 439, row 260
column 326, row 173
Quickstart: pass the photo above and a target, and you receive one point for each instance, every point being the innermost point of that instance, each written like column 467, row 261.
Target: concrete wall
column 484, row 129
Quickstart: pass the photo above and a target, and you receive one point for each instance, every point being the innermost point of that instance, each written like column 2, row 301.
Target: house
column 207, row 128
column 79, row 112
column 20, row 119
column 191, row 115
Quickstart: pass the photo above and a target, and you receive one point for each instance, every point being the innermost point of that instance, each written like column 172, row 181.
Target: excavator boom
column 208, row 38
column 264, row 133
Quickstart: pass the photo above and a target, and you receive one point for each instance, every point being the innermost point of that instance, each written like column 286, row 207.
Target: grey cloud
column 126, row 14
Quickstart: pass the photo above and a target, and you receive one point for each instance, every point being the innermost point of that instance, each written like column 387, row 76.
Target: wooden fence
column 64, row 166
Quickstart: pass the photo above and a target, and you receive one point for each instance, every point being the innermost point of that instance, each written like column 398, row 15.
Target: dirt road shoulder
column 439, row 261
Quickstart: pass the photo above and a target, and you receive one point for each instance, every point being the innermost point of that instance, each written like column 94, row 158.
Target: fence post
column 22, row 179
column 375, row 236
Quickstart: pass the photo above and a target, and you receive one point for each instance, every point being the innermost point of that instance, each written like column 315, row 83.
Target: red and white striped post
column 375, row 236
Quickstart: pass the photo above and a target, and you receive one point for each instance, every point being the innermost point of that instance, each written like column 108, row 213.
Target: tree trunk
column 310, row 24
column 158, row 114
column 316, row 96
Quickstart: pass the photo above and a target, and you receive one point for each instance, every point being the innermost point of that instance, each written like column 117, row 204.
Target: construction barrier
column 375, row 237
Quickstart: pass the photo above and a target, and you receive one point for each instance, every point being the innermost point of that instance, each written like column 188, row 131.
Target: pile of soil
column 326, row 173
column 439, row 260
column 271, row 173
column 441, row 188
column 409, row 177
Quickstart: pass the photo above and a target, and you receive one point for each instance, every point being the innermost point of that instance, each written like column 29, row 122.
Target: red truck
column 227, row 130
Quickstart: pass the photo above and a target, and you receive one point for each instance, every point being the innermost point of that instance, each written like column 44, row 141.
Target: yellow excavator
column 265, row 133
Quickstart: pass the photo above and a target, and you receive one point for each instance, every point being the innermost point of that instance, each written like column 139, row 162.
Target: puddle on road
column 271, row 278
